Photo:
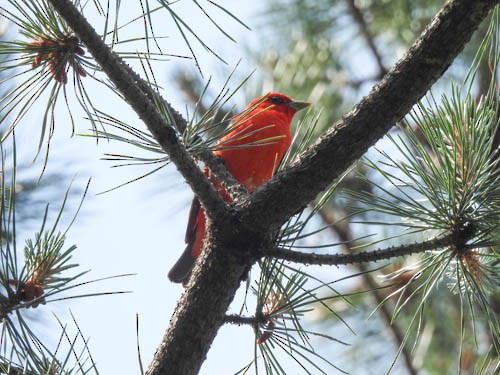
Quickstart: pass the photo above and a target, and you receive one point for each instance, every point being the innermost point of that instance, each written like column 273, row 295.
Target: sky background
column 138, row 228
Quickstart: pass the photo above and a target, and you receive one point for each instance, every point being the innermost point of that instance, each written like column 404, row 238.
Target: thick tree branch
column 359, row 257
column 141, row 98
column 217, row 276
column 291, row 189
column 202, row 308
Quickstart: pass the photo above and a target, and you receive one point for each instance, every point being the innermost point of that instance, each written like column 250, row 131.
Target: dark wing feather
column 182, row 268
column 193, row 214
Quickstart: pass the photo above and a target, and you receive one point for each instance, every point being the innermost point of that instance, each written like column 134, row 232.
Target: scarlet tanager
column 252, row 151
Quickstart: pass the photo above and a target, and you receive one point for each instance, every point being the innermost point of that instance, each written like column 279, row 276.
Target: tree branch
column 250, row 320
column 141, row 98
column 217, row 276
column 291, row 189
column 217, row 167
column 356, row 258
column 202, row 308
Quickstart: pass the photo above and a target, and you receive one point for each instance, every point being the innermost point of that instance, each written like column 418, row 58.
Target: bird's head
column 272, row 108
column 276, row 101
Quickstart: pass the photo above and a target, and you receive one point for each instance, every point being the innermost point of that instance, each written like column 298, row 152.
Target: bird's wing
column 182, row 268
column 191, row 225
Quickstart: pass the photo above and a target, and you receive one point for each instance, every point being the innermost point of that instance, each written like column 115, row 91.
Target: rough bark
column 392, row 98
column 358, row 257
column 293, row 188
column 141, row 100
column 238, row 234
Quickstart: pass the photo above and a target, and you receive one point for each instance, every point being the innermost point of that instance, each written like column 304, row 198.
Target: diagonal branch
column 141, row 98
column 357, row 14
column 202, row 308
column 359, row 257
column 216, row 166
column 345, row 142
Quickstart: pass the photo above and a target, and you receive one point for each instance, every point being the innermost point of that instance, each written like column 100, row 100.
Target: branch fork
column 202, row 307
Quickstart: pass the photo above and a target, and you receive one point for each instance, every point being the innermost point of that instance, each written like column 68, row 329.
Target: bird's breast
column 252, row 152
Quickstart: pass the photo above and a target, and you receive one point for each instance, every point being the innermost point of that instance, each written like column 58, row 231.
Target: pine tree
column 425, row 200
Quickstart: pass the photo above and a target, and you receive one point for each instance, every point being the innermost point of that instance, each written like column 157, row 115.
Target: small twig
column 239, row 320
column 360, row 19
column 356, row 258
column 231, row 186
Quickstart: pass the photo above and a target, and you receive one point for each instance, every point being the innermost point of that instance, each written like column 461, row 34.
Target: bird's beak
column 297, row 105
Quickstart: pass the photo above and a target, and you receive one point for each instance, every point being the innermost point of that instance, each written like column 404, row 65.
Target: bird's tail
column 182, row 268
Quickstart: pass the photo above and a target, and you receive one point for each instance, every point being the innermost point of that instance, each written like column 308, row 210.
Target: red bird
column 258, row 139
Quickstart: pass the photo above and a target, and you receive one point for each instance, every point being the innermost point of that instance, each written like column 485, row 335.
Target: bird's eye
column 276, row 100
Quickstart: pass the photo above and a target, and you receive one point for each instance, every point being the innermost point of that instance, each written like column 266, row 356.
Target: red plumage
column 258, row 139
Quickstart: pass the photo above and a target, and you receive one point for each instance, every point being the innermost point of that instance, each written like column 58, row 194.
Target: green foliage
column 28, row 281
column 45, row 56
column 443, row 177
column 283, row 298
